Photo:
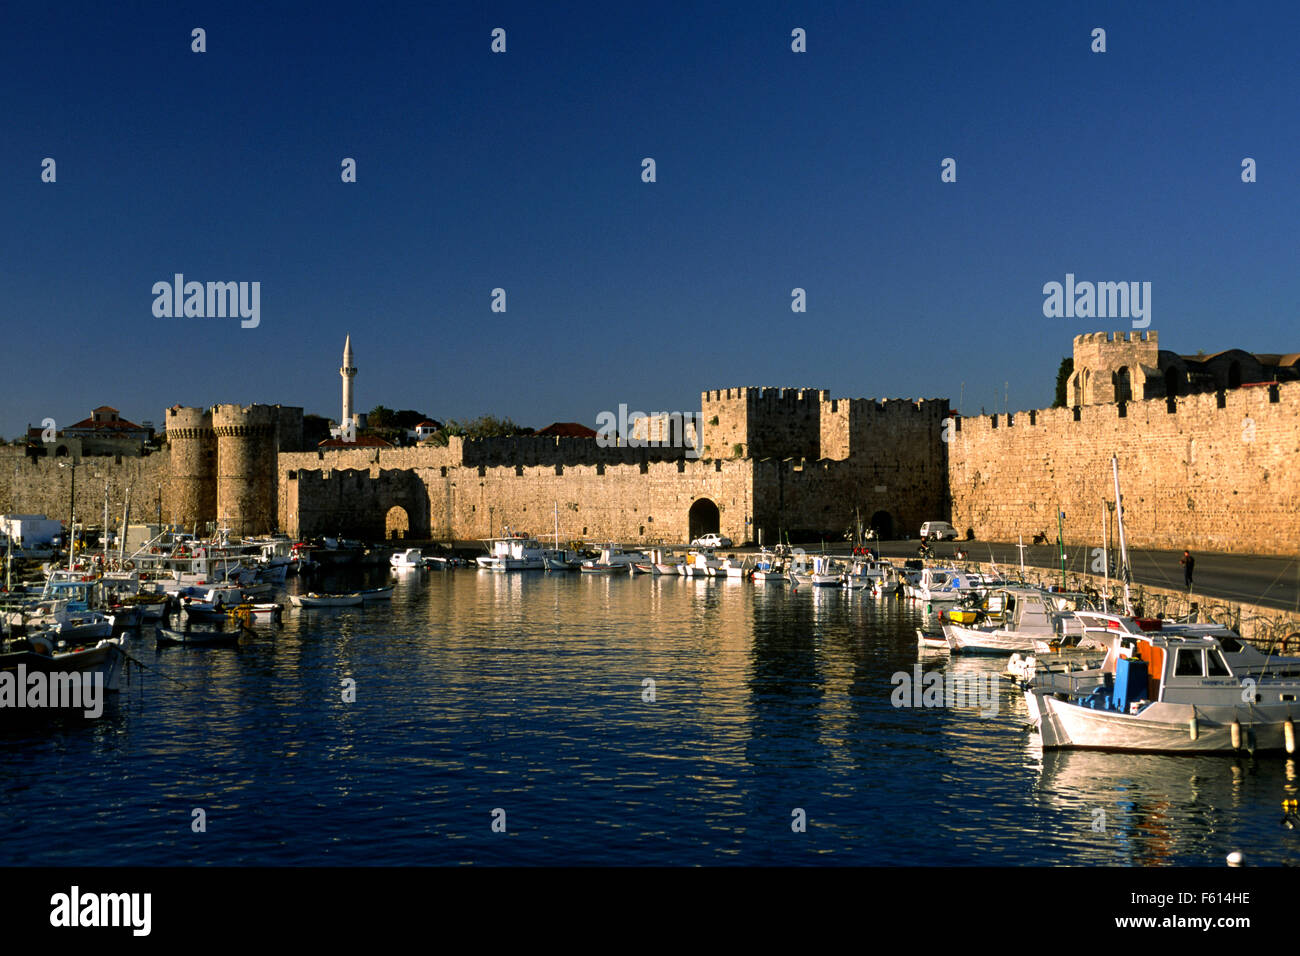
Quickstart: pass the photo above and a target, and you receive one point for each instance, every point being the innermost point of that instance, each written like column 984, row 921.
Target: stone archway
column 703, row 518
column 397, row 523
column 882, row 522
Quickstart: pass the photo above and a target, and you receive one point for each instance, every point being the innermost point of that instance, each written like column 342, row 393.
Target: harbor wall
column 39, row 486
column 647, row 502
column 1208, row 472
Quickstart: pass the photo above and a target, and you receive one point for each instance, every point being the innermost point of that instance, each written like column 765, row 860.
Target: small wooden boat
column 326, row 600
column 166, row 637
column 931, row 641
column 377, row 594
column 246, row 613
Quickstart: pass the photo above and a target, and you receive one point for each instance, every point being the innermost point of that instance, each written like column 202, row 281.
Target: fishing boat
column 1030, row 620
column 824, row 572
column 930, row 641
column 612, row 559
column 312, row 599
column 42, row 652
column 661, row 561
column 769, row 567
column 701, row 564
column 1161, row 691
column 514, row 552
column 408, row 560
column 732, row 567
column 863, row 573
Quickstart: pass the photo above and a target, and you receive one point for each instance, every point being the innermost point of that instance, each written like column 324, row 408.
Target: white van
column 938, row 531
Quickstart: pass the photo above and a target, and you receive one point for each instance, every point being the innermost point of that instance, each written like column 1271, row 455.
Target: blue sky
column 522, row 171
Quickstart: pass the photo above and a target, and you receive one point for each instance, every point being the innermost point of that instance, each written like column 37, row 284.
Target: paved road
column 1272, row 582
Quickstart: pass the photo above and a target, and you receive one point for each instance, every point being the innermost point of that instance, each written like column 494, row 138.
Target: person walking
column 1188, row 563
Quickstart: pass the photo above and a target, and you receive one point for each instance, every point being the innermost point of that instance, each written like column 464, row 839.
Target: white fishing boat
column 612, row 559
column 701, row 564
column 664, row 561
column 313, row 599
column 769, row 567
column 732, row 567
column 889, row 584
column 514, row 552
column 1030, row 619
column 409, row 560
column 1161, row 691
column 930, row 641
column 863, row 573
column 822, row 572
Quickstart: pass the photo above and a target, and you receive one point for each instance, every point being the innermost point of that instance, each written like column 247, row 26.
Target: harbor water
column 538, row 719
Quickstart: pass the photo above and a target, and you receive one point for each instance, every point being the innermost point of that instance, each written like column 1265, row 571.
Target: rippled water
column 524, row 693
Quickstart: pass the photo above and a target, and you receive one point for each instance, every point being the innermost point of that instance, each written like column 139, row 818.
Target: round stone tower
column 246, row 467
column 192, row 488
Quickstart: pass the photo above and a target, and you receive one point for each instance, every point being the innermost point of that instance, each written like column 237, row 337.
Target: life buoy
column 129, row 566
column 153, row 551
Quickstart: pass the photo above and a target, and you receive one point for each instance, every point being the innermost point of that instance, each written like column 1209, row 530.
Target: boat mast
column 1123, row 548
column 1060, row 541
column 126, row 515
column 1105, row 558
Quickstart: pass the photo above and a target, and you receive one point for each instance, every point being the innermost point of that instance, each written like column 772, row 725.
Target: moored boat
column 313, row 599
column 1160, row 691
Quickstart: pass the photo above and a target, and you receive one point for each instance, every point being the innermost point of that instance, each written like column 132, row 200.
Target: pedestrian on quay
column 1188, row 564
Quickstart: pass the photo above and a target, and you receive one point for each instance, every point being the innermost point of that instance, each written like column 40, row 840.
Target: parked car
column 938, row 531
column 711, row 541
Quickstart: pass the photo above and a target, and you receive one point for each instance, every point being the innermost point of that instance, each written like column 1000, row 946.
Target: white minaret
column 349, row 372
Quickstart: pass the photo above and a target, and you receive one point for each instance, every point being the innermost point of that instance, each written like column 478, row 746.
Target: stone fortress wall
column 1212, row 471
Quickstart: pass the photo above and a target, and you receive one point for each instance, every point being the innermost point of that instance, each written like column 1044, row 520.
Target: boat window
column 1188, row 663
column 1230, row 644
column 1217, row 666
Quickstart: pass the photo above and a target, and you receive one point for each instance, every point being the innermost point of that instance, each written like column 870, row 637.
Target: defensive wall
column 38, row 485
column 1209, row 472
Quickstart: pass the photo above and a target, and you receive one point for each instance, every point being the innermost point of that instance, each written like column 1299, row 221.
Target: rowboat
column 258, row 612
column 377, row 594
column 166, row 637
column 326, row 600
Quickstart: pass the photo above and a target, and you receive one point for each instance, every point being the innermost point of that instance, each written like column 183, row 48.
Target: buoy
column 1193, row 728
column 1236, row 858
column 1288, row 734
column 1236, row 734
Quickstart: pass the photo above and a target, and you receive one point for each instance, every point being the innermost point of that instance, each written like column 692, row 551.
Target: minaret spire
column 348, row 373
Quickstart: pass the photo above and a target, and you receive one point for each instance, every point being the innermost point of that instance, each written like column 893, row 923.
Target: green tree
column 1062, row 379
column 380, row 417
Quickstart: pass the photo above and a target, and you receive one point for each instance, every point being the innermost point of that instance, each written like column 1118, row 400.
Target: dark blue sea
column 506, row 720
